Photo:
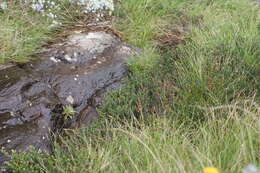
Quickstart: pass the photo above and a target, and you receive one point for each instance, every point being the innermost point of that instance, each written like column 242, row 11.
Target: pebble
column 3, row 169
column 70, row 99
column 75, row 54
column 53, row 59
column 72, row 67
column 12, row 114
column 68, row 58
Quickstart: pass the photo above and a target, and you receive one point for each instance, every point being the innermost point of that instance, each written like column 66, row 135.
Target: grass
column 24, row 31
column 21, row 33
column 163, row 145
column 184, row 107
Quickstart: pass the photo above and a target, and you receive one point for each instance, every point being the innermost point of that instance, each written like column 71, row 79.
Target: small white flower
column 37, row 7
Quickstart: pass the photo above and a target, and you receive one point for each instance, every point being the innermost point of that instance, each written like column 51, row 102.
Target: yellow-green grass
column 23, row 31
column 228, row 141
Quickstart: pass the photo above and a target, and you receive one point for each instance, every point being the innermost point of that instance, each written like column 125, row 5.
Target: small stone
column 99, row 62
column 53, row 59
column 12, row 114
column 70, row 99
column 67, row 57
column 75, row 79
column 8, row 141
column 3, row 169
column 77, row 32
column 103, row 59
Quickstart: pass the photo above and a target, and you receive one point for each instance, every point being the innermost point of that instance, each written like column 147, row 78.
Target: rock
column 70, row 99
column 33, row 95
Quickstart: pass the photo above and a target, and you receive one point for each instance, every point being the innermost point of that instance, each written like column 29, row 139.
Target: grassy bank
column 185, row 106
column 24, row 31
column 21, row 33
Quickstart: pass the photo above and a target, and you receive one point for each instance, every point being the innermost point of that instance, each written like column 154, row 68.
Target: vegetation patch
column 22, row 32
column 182, row 109
column 27, row 26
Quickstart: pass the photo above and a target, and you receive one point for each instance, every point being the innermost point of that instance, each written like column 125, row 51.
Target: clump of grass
column 21, row 33
column 68, row 112
column 24, row 30
column 218, row 65
column 165, row 145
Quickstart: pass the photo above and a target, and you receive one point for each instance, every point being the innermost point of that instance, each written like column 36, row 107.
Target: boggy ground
column 184, row 107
